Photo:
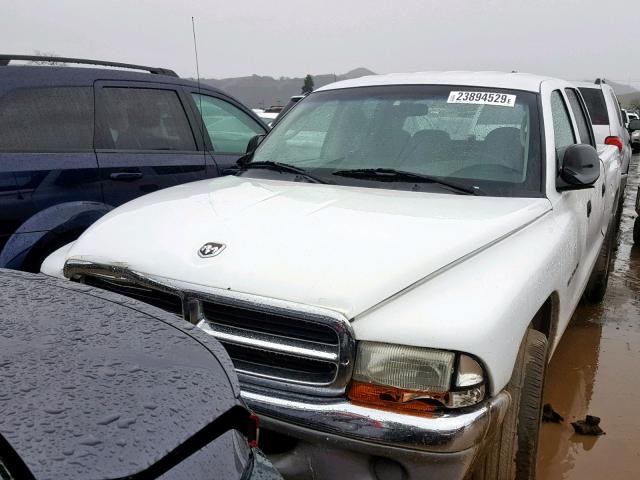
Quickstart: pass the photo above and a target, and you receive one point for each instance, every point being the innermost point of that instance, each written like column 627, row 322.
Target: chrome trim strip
column 263, row 341
column 193, row 294
column 445, row 432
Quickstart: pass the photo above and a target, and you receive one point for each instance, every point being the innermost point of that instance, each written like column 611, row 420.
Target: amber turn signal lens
column 391, row 398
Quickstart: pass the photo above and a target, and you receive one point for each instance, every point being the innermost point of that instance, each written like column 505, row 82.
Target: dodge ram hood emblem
column 211, row 249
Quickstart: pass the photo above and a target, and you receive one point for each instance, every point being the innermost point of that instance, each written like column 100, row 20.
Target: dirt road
column 596, row 370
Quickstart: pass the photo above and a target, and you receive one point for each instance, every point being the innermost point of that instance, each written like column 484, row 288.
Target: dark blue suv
column 76, row 142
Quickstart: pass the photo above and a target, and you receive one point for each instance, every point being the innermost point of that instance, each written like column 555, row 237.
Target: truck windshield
column 481, row 138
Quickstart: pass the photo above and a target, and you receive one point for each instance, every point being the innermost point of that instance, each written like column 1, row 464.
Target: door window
column 229, row 128
column 594, row 98
column 47, row 120
column 562, row 129
column 142, row 119
column 581, row 119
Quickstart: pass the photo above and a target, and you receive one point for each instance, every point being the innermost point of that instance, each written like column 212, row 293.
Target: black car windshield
column 481, row 138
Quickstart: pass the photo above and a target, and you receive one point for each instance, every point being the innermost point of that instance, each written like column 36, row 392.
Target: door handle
column 589, row 208
column 230, row 171
column 604, row 188
column 125, row 176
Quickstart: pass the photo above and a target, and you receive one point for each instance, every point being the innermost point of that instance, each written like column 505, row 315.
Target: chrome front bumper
column 440, row 444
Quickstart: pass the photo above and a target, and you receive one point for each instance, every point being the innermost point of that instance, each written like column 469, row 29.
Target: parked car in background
column 632, row 115
column 266, row 117
column 76, row 142
column 608, row 123
column 292, row 101
column 625, row 117
column 634, row 130
column 357, row 272
column 97, row 385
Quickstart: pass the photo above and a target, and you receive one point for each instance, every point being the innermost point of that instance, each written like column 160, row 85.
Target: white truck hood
column 343, row 248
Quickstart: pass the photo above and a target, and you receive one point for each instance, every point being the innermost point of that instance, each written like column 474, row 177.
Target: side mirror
column 634, row 125
column 580, row 167
column 254, row 142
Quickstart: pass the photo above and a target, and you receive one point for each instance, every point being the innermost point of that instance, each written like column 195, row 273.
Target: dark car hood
column 93, row 385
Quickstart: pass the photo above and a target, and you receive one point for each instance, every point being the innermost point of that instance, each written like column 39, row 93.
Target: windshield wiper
column 391, row 174
column 282, row 167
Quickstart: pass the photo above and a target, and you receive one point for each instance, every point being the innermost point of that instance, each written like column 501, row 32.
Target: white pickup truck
column 390, row 271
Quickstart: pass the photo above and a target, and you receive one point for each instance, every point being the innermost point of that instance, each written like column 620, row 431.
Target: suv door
column 144, row 141
column 229, row 128
column 46, row 157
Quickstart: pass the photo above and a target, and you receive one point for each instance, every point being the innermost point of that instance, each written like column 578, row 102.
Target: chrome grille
column 272, row 343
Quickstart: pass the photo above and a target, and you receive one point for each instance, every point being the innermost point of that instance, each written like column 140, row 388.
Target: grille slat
column 268, row 323
column 276, row 343
column 166, row 301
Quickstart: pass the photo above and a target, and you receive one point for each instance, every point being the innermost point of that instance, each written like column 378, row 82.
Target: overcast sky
column 573, row 39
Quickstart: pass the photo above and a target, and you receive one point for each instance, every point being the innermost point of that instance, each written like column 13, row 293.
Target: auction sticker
column 482, row 98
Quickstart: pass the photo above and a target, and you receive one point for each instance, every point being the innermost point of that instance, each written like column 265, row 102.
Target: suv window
column 581, row 118
column 596, row 105
column 142, row 119
column 562, row 129
column 229, row 128
column 47, row 119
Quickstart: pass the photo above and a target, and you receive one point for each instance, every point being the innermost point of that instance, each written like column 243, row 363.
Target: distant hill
column 258, row 92
column 262, row 91
column 620, row 88
column 630, row 101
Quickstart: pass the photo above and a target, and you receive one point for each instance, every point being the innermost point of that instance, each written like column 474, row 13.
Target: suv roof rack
column 5, row 59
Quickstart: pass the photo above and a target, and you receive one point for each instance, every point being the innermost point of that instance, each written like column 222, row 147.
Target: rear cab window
column 582, row 120
column 594, row 98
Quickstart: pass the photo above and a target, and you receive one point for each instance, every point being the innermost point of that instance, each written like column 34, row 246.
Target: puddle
column 596, row 370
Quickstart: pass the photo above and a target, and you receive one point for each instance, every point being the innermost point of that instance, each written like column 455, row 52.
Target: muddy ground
column 596, row 370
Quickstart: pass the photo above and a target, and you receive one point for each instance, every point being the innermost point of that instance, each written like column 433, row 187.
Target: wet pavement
column 596, row 370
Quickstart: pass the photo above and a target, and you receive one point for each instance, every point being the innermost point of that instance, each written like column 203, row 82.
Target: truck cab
column 390, row 270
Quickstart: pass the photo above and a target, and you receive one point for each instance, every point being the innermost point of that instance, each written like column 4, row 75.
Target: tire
column 599, row 279
column 513, row 453
column 636, row 231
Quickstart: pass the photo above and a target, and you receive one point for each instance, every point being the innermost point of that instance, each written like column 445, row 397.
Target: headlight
column 415, row 379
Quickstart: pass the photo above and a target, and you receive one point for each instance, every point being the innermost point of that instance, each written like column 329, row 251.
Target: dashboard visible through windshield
column 448, row 139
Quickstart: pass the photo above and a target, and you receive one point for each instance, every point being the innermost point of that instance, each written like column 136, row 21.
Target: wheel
column 513, row 453
column 597, row 284
column 636, row 231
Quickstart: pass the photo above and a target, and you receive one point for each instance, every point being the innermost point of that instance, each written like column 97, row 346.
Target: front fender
column 482, row 305
column 47, row 227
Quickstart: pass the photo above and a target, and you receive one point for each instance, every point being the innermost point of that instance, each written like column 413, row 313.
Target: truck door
column 144, row 141
column 596, row 201
column 573, row 208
